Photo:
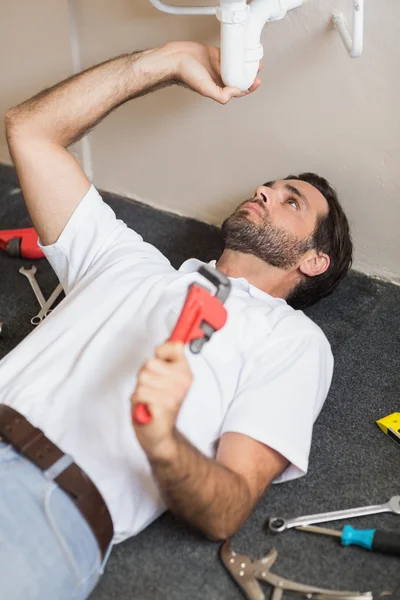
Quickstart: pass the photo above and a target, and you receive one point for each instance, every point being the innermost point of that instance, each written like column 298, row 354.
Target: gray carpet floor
column 352, row 462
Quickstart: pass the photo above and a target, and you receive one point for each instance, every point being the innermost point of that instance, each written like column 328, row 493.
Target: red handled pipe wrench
column 22, row 243
column 202, row 315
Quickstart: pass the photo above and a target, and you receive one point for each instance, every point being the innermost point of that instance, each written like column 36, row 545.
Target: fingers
column 165, row 378
column 170, row 359
column 170, row 351
column 156, row 366
column 224, row 94
column 168, row 364
column 256, row 84
column 227, row 93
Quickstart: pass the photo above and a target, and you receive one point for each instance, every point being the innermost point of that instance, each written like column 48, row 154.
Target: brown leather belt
column 36, row 447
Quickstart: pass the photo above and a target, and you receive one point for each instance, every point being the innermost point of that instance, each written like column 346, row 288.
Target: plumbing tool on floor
column 387, row 542
column 21, row 243
column 202, row 315
column 248, row 572
column 391, row 426
column 30, row 275
column 278, row 524
column 45, row 306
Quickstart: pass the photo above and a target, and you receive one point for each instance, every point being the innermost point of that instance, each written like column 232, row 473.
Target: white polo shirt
column 266, row 374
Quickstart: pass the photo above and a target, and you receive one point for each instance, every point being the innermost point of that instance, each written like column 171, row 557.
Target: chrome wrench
column 278, row 524
column 46, row 307
column 30, row 275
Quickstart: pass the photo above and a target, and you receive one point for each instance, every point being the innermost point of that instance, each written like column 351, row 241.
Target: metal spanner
column 45, row 305
column 278, row 524
column 30, row 275
column 46, row 308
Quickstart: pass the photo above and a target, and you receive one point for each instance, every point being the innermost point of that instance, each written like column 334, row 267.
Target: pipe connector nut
column 254, row 54
column 232, row 16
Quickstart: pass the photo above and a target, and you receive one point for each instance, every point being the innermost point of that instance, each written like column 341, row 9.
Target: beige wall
column 316, row 110
column 34, row 51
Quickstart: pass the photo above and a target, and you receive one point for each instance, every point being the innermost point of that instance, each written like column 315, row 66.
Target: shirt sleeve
column 92, row 232
column 280, row 396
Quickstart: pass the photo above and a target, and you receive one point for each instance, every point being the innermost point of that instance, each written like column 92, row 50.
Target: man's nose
column 266, row 194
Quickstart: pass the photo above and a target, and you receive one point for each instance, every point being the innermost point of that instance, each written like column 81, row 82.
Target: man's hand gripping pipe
column 202, row 315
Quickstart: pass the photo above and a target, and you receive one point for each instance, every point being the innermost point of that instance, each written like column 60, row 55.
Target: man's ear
column 315, row 264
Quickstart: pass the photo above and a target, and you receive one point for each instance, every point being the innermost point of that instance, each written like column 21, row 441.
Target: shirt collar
column 192, row 264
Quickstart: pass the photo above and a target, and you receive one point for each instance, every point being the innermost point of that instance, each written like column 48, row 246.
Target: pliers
column 246, row 572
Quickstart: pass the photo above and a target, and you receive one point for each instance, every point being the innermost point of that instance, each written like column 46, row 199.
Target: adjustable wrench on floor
column 201, row 316
column 278, row 524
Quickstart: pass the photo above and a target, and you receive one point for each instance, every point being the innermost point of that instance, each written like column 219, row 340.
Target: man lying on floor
column 216, row 440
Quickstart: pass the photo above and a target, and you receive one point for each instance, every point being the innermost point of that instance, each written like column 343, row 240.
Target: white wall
column 316, row 110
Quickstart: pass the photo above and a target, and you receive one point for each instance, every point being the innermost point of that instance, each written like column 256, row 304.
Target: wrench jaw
column 220, row 280
column 277, row 524
column 394, row 505
column 30, row 275
column 24, row 270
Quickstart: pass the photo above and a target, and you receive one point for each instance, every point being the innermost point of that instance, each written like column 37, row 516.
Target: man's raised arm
column 40, row 129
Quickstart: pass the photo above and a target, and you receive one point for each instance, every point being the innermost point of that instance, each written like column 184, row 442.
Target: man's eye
column 293, row 202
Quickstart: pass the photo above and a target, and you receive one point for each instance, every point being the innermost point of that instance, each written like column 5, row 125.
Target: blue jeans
column 47, row 550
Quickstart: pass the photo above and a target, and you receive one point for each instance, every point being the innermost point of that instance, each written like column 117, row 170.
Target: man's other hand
column 198, row 67
column 162, row 385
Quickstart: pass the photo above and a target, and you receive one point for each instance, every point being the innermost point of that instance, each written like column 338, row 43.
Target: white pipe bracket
column 353, row 43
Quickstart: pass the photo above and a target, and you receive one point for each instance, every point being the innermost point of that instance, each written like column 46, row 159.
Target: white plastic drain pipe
column 241, row 27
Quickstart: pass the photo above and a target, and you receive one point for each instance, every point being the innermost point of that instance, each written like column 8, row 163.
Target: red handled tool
column 202, row 315
column 22, row 243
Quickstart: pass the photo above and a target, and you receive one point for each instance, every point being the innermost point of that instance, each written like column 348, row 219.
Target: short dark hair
column 332, row 237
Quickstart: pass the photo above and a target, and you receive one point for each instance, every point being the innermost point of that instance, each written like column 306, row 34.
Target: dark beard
column 273, row 245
